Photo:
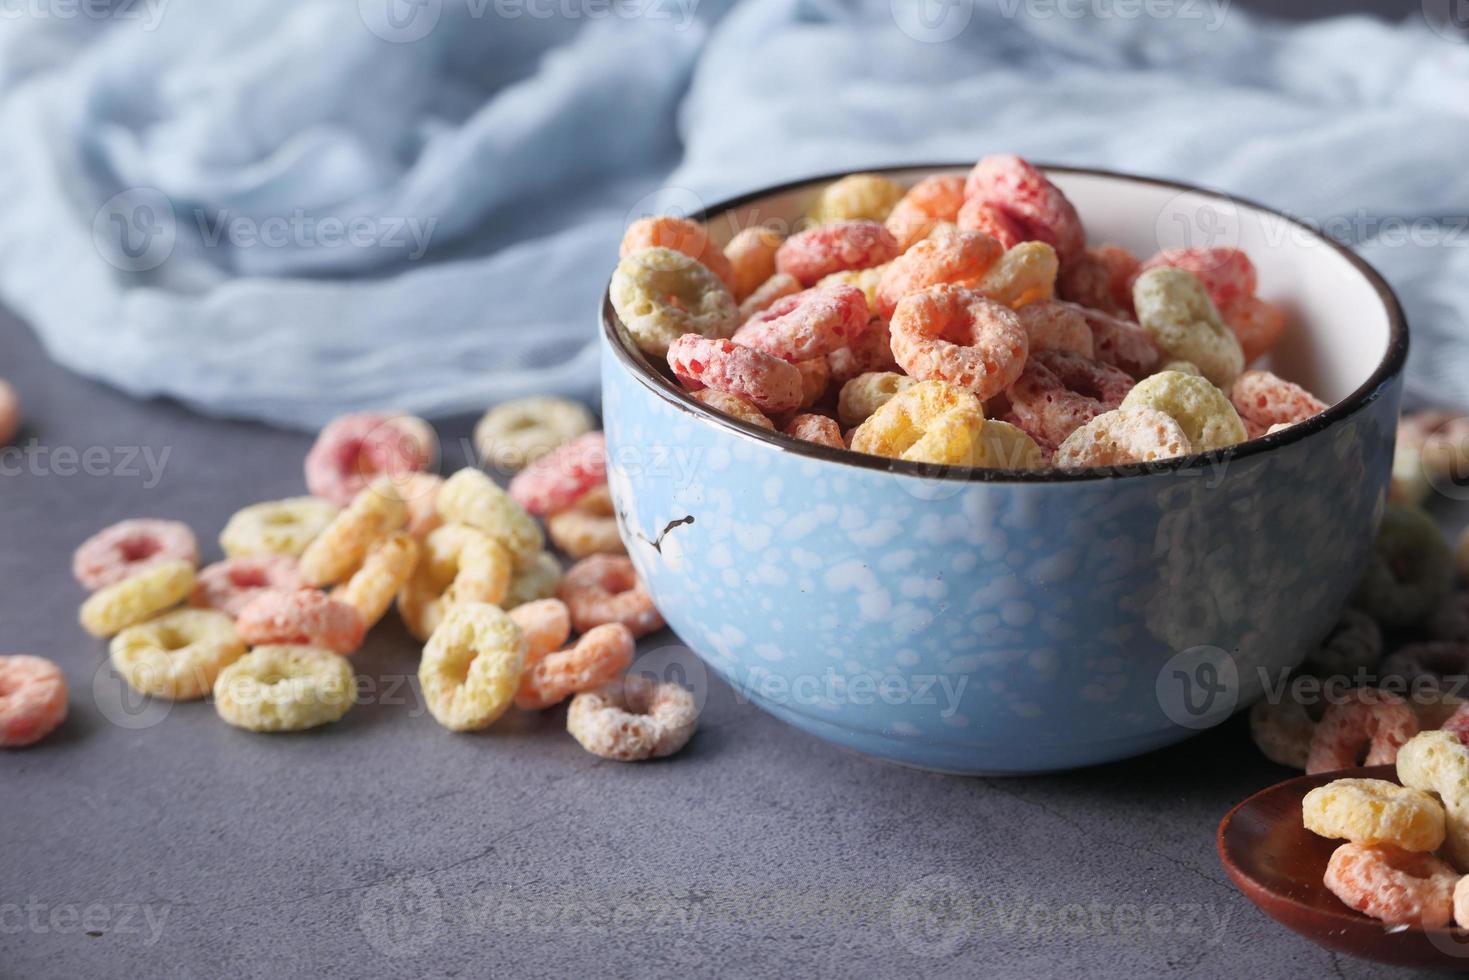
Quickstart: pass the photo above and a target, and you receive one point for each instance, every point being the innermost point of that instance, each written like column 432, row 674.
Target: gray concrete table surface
column 156, row 841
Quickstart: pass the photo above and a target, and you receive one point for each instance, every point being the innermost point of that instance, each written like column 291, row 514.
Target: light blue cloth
column 287, row 210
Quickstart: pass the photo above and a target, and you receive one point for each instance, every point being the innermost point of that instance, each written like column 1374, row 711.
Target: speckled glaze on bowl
column 1002, row 622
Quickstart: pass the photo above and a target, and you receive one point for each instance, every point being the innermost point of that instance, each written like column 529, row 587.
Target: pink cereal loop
column 304, row 617
column 599, row 657
column 1257, row 325
column 1058, row 393
column 553, row 482
column 32, row 699
column 1226, row 273
column 1378, row 722
column 977, row 215
column 771, row 384
column 606, row 589
column 1397, row 886
column 870, row 351
column 812, row 323
column 1122, row 343
column 935, row 198
column 958, row 257
column 230, row 585
column 354, row 449
column 949, row 333
column 815, row 428
column 818, row 252
column 1263, row 400
column 129, row 547
column 1025, row 195
column 1053, row 325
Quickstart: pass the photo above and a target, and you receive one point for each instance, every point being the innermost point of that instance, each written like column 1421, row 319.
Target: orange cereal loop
column 777, row 287
column 377, row 510
column 815, row 428
column 1263, row 400
column 931, row 422
column 383, row 572
column 633, row 719
column 1257, row 324
column 303, row 617
column 588, row 526
column 546, row 625
column 815, row 376
column 457, row 564
column 32, row 699
column 1053, row 325
column 935, row 198
column 733, row 406
column 1024, row 274
column 606, row 589
column 1135, row 435
column 680, row 235
column 951, row 334
column 599, row 657
column 1101, row 279
column 953, row 258
column 420, row 493
column 1397, row 886
column 751, row 255
column 1365, row 720
column 978, row 216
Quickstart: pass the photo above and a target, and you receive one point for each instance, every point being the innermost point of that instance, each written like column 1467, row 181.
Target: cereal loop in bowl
column 1057, row 393
column 276, row 527
column 606, row 589
column 1264, row 400
column 660, row 295
column 284, row 688
column 1202, row 410
column 954, row 258
column 951, row 334
column 812, row 323
column 1124, row 435
column 930, row 422
column 229, row 585
column 633, row 719
column 353, row 450
column 751, row 255
column 471, row 667
column 137, row 598
column 129, row 547
column 303, row 617
column 32, row 699
column 938, row 197
column 515, row 434
column 1023, row 193
column 769, row 383
column 857, row 197
column 1175, row 308
column 818, row 252
column 177, row 655
column 679, row 235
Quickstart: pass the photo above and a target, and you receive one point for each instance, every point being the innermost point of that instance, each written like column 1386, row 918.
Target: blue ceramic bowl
column 982, row 621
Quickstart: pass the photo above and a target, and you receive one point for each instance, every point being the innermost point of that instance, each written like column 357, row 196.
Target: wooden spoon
column 1278, row 864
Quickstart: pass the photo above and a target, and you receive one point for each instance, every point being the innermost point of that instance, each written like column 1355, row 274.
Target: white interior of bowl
column 1340, row 328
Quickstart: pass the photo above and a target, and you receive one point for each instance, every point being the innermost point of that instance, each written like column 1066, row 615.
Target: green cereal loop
column 1203, row 411
column 1176, row 309
column 1410, row 572
column 660, row 295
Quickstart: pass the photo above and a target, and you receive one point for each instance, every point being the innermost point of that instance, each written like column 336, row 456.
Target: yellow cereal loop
column 1176, row 309
column 276, row 527
column 1024, row 274
column 539, row 579
column 1437, row 762
column 456, row 564
column 283, row 688
column 137, row 598
column 1204, row 412
column 931, row 422
column 470, row 497
column 1374, row 811
column 856, row 197
column 516, row 433
column 660, row 295
column 178, row 655
column 1183, row 367
column 1003, row 446
column 377, row 510
column 864, row 279
column 384, row 571
column 471, row 667
column 866, row 393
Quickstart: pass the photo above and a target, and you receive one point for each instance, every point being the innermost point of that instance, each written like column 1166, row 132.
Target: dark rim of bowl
column 1392, row 362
